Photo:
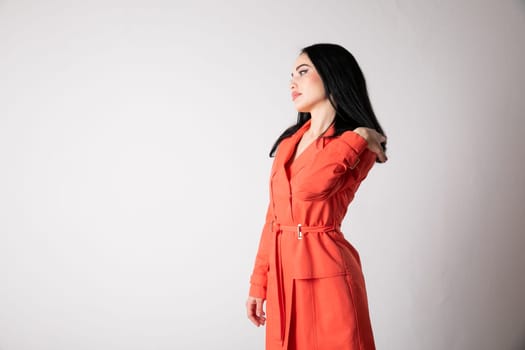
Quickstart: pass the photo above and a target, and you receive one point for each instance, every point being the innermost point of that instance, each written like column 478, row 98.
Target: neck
column 323, row 115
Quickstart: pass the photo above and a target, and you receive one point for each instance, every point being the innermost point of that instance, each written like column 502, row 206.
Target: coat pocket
column 317, row 255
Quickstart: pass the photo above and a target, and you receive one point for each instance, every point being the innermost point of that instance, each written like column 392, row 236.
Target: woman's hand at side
column 374, row 140
column 255, row 312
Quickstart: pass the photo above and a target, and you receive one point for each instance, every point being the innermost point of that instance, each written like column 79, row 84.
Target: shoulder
column 354, row 140
column 349, row 142
column 282, row 145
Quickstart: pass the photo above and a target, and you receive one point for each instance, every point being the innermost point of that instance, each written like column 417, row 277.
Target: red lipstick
column 295, row 94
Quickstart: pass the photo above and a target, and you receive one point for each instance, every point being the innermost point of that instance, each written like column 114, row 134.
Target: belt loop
column 299, row 232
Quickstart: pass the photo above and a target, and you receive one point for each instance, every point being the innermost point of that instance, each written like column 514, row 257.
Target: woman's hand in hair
column 374, row 140
column 255, row 312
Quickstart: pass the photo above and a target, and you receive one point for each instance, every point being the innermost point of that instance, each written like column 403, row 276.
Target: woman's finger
column 250, row 311
column 378, row 150
column 259, row 310
column 382, row 157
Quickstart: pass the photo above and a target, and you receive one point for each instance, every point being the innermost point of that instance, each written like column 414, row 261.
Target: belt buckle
column 299, row 232
column 275, row 226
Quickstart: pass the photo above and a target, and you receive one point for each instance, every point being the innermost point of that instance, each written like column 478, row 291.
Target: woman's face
column 306, row 85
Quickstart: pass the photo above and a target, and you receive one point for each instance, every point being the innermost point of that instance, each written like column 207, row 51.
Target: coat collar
column 290, row 144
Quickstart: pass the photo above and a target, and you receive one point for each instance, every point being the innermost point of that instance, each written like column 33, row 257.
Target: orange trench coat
column 309, row 274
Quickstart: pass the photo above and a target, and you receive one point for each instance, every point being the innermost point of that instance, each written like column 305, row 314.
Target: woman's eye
column 302, row 72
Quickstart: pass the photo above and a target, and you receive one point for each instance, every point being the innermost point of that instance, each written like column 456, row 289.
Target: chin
column 301, row 108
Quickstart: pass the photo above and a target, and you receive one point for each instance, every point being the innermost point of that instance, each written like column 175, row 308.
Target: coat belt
column 299, row 230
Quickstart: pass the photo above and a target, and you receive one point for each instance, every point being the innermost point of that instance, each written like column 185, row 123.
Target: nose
column 293, row 84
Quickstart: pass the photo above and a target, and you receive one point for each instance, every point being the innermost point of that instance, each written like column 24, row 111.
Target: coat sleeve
column 326, row 173
column 258, row 279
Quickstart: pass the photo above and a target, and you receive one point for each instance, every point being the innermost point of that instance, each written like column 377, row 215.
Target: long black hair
column 345, row 86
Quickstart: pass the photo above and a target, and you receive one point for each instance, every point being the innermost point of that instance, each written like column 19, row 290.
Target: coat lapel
column 291, row 144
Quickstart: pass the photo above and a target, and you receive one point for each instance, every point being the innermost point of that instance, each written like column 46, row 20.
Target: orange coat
column 309, row 274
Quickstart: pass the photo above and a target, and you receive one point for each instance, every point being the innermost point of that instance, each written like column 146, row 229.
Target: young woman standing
column 305, row 270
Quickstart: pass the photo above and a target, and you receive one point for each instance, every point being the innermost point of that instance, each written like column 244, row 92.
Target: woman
column 308, row 274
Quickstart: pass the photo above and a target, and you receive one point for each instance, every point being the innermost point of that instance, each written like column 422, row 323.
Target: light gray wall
column 134, row 170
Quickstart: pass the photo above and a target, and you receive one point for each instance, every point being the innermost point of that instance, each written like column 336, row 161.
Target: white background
column 133, row 183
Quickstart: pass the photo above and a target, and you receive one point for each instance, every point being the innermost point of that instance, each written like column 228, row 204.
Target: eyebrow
column 299, row 66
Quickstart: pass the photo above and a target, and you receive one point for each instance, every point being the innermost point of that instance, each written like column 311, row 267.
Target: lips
column 295, row 95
